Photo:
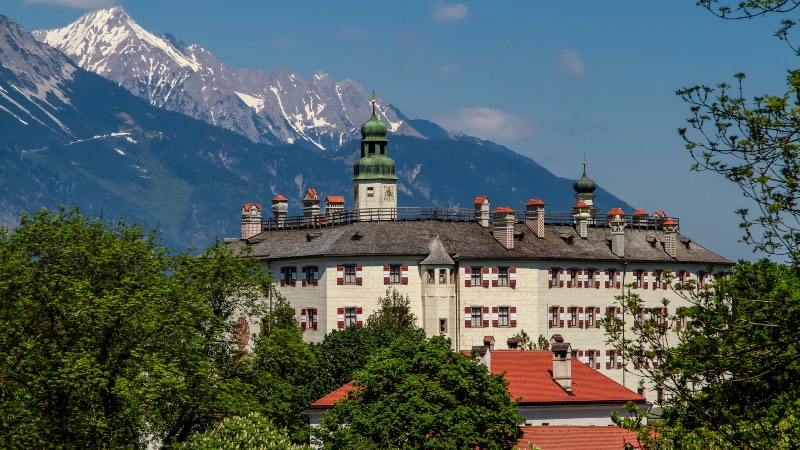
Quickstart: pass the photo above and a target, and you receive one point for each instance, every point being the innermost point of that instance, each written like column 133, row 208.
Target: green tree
column 418, row 393
column 394, row 314
column 753, row 142
column 108, row 340
column 731, row 374
column 252, row 431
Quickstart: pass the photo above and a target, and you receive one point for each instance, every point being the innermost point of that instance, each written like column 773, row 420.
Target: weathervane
column 373, row 102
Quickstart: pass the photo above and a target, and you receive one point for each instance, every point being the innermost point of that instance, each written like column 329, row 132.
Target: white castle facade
column 478, row 276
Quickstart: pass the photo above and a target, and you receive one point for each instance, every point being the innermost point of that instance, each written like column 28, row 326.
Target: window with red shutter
column 597, row 318
column 550, row 278
column 608, row 279
column 580, row 317
column 485, row 276
column 339, row 275
column 608, row 359
column 359, row 275
column 303, row 319
column 312, row 318
column 561, row 278
column 467, row 276
column 597, row 359
column 494, row 277
column 486, row 317
column 404, row 274
column 386, row 269
column 340, row 316
column 467, row 317
column 512, row 277
column 646, row 277
column 513, row 313
column 561, row 317
column 359, row 317
column 495, row 316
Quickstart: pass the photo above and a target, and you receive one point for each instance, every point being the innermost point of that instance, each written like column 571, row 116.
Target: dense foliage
column 417, row 394
column 731, row 374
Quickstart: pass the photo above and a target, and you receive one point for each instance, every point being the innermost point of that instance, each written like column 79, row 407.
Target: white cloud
column 488, row 123
column 80, row 4
column 450, row 13
column 571, row 64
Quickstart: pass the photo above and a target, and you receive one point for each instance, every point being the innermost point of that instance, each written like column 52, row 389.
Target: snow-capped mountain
column 265, row 107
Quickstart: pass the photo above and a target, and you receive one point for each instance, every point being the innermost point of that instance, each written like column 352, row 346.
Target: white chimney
column 671, row 237
column 616, row 220
column 534, row 216
column 562, row 362
column 581, row 212
column 311, row 207
column 482, row 205
column 251, row 220
column 280, row 207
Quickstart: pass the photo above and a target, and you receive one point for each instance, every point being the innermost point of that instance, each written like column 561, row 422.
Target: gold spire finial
column 373, row 102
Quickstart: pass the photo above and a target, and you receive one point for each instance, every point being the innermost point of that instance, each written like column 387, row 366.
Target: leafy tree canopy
column 394, row 314
column 731, row 375
column 419, row 394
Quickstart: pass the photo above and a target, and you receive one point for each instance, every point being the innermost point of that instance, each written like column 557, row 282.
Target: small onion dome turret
column 584, row 185
column 373, row 130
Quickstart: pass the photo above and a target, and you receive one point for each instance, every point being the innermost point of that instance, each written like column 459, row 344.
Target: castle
column 478, row 276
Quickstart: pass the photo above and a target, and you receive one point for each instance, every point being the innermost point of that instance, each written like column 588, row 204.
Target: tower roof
column 584, row 185
column 373, row 129
column 374, row 163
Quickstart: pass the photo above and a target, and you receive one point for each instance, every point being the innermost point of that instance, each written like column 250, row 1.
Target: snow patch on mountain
column 251, row 101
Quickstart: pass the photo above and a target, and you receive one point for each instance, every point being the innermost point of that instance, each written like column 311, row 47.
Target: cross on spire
column 373, row 102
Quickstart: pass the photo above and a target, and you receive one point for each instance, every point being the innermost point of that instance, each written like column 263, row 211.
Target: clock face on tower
column 388, row 193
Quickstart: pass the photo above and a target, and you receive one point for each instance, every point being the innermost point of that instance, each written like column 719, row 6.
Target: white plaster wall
column 597, row 415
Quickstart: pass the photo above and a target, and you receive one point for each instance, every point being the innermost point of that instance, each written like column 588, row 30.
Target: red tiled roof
column 280, row 198
column 616, row 211
column 311, row 194
column 503, row 209
column 251, row 205
column 528, row 376
column 640, row 212
column 670, row 221
column 660, row 213
column 479, row 200
column 581, row 204
column 534, row 201
column 564, row 437
column 334, row 199
column 529, row 379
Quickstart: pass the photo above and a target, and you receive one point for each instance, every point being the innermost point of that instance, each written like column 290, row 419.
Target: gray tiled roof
column 438, row 253
column 468, row 240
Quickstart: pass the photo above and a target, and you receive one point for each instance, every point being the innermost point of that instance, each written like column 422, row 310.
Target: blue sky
column 551, row 80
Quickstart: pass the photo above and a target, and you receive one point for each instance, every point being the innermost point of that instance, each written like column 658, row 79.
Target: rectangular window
column 476, row 276
column 370, row 192
column 310, row 274
column 442, row 276
column 637, row 279
column 591, row 359
column 350, row 274
column 573, row 278
column 553, row 315
column 612, row 359
column 573, row 316
column 312, row 318
column 611, row 278
column 590, row 317
column 442, row 325
column 289, row 275
column 503, row 316
column 502, row 276
column 350, row 317
column 431, row 276
column 452, row 276
column 394, row 273
column 475, row 318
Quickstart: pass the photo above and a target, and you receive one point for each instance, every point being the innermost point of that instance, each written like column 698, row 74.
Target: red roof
column 334, row 199
column 565, row 437
column 534, row 201
column 640, row 212
column 581, row 204
column 670, row 221
column 311, row 194
column 616, row 211
column 280, row 198
column 252, row 205
column 479, row 200
column 528, row 376
column 660, row 213
column 529, row 379
column 503, row 209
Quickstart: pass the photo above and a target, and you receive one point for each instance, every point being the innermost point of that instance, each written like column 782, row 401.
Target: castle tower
column 374, row 179
column 584, row 192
